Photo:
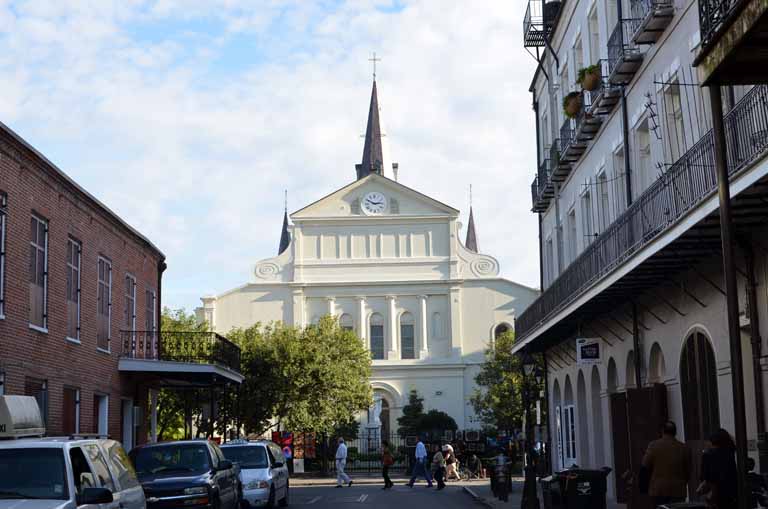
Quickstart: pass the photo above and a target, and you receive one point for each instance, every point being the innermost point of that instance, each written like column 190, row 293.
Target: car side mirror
column 225, row 465
column 277, row 464
column 94, row 496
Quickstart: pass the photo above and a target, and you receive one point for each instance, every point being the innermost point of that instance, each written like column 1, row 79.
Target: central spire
column 373, row 153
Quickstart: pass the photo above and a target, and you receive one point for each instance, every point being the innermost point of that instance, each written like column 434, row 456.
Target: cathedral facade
column 388, row 262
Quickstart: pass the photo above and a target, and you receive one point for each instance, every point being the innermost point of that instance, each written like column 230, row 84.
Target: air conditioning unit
column 20, row 417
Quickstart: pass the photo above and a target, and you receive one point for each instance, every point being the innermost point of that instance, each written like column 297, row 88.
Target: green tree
column 436, row 422
column 498, row 398
column 408, row 423
column 311, row 379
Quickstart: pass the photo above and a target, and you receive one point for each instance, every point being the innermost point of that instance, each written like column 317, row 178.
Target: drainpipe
column 731, row 295
column 539, row 150
column 757, row 343
column 624, row 114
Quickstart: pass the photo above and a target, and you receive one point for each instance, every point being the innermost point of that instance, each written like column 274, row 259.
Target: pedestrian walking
column 420, row 467
column 451, row 463
column 718, row 472
column 341, row 463
column 668, row 462
column 387, row 460
column 438, row 464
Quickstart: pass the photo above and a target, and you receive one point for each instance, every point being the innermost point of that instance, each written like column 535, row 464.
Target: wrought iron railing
column 641, row 8
column 190, row 347
column 682, row 187
column 539, row 21
column 712, row 15
column 540, row 182
column 620, row 45
column 567, row 134
column 592, row 96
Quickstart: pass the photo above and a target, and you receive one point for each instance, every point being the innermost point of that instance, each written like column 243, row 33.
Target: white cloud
column 192, row 141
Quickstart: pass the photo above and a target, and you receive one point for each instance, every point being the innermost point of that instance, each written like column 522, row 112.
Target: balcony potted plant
column 590, row 77
column 572, row 104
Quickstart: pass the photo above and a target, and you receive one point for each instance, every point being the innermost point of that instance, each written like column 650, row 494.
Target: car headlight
column 197, row 490
column 257, row 485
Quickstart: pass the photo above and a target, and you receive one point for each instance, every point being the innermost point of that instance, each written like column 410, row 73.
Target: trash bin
column 584, row 489
column 551, row 496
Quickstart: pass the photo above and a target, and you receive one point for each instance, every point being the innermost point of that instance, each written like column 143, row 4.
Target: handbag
column 387, row 460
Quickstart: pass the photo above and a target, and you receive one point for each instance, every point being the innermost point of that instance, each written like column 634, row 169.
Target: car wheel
column 271, row 499
column 284, row 501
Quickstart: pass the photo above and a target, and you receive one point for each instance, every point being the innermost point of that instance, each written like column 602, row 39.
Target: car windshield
column 247, row 456
column 170, row 459
column 32, row 473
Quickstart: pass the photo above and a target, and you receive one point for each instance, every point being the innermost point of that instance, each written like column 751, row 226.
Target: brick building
column 72, row 275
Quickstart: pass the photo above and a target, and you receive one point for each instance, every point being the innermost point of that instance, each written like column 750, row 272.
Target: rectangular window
column 38, row 273
column 560, row 249
column 129, row 306
column 3, row 213
column 619, row 182
column 377, row 341
column 673, row 109
column 71, row 411
column 605, row 203
column 407, row 341
column 39, row 390
column 104, row 304
column 549, row 273
column 586, row 217
column 578, row 56
column 74, row 253
column 594, row 37
column 643, row 173
column 572, row 236
column 569, row 425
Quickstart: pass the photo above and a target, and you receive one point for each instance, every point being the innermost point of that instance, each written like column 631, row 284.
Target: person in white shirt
column 341, row 462
column 420, row 469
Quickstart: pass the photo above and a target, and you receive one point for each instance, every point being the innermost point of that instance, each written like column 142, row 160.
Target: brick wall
column 33, row 185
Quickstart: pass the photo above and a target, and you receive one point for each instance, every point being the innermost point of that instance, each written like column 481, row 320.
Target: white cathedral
column 389, row 263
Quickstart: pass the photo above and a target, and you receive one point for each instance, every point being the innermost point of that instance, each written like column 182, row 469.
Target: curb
column 477, row 498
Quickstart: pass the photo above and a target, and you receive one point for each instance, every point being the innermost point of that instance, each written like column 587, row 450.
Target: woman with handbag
column 387, row 460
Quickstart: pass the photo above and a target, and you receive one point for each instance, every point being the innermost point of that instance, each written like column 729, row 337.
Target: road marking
column 313, row 500
column 362, row 498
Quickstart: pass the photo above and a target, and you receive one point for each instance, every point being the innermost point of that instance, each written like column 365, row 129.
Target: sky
column 189, row 118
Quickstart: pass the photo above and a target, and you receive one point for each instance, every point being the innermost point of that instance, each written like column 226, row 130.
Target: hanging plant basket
column 572, row 104
column 590, row 78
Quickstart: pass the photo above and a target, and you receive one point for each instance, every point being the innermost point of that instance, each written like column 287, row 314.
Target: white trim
column 73, row 340
column 152, row 366
column 99, row 349
column 44, row 330
column 2, row 316
column 685, row 223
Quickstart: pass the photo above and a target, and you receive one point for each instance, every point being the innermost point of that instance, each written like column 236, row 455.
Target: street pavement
column 371, row 496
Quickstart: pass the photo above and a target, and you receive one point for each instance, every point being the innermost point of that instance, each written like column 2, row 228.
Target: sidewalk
column 481, row 492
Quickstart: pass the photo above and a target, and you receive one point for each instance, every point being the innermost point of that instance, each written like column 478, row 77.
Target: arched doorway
column 558, row 427
column 656, row 365
column 569, row 425
column 584, row 443
column 698, row 385
column 500, row 329
column 384, row 417
column 597, row 418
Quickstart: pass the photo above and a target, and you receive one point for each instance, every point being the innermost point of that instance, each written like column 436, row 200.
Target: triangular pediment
column 348, row 202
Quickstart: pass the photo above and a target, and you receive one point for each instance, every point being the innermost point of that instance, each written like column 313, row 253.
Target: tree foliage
column 311, row 379
column 498, row 398
column 414, row 421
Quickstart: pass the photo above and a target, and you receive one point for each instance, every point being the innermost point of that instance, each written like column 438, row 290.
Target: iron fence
column 682, row 187
column 642, row 8
column 712, row 15
column 539, row 21
column 191, row 347
column 620, row 45
column 540, row 183
column 567, row 134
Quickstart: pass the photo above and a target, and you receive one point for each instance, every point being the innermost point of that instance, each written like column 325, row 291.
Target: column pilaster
column 456, row 327
column 299, row 320
column 392, row 329
column 331, row 301
column 423, row 321
column 361, row 319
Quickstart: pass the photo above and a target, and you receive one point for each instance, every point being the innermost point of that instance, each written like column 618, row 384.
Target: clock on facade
column 374, row 203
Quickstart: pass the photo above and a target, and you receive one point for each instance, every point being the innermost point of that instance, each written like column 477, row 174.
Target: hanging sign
column 588, row 351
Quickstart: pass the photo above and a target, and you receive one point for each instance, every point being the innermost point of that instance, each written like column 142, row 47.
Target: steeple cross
column 374, row 60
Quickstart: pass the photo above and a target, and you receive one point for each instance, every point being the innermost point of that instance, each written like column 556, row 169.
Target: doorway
column 127, row 420
column 101, row 414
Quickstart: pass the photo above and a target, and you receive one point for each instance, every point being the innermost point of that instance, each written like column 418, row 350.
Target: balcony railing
column 602, row 100
column 188, row 347
column 651, row 19
column 681, row 188
column 539, row 21
column 624, row 57
column 712, row 15
column 541, row 188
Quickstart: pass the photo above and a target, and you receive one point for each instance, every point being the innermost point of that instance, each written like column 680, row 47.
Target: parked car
column 63, row 472
column 188, row 473
column 263, row 472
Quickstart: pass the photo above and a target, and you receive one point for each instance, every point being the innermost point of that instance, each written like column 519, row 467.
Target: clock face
column 374, row 203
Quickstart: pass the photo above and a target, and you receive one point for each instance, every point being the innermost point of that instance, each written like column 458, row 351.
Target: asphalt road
column 373, row 497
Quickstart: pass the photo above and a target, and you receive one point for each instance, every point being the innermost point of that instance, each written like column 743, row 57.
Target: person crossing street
column 341, row 463
column 421, row 469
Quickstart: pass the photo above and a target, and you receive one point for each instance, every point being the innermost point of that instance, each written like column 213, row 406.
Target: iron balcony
column 542, row 188
column 686, row 184
column 651, row 17
column 187, row 347
column 539, row 22
column 624, row 56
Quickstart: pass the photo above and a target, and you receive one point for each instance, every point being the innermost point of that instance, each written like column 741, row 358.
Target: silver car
column 263, row 472
column 66, row 473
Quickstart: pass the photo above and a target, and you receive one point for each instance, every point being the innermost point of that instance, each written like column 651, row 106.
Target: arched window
column 437, row 325
column 656, row 366
column 346, row 322
column 407, row 343
column 698, row 381
column 377, row 336
column 500, row 329
column 630, row 381
column 569, row 425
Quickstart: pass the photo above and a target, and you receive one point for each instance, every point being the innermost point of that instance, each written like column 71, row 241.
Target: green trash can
column 584, row 489
column 551, row 496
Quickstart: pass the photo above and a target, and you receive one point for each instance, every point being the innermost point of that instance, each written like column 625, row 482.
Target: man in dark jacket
column 669, row 463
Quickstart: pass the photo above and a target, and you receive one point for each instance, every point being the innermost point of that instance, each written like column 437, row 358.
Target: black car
column 191, row 474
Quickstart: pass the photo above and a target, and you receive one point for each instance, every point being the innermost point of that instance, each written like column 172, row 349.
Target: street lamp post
column 530, row 493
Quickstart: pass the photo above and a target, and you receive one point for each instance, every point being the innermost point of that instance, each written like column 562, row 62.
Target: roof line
column 77, row 188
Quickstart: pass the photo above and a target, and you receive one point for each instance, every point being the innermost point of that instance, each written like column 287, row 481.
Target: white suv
column 60, row 473
column 263, row 472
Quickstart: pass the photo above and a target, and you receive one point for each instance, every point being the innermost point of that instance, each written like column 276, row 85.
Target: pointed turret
column 471, row 242
column 285, row 237
column 375, row 148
